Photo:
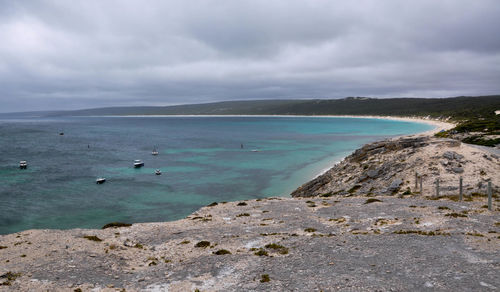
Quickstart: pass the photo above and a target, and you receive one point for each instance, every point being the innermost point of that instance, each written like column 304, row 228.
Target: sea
column 202, row 160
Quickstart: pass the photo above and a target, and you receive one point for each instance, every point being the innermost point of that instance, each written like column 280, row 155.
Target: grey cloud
column 77, row 54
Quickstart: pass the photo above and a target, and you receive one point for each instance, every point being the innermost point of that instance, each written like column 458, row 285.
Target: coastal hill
column 475, row 116
column 457, row 107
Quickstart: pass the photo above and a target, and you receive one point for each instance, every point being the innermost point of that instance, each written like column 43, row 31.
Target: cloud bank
column 81, row 54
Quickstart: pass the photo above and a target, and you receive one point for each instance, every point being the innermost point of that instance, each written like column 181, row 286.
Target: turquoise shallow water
column 200, row 157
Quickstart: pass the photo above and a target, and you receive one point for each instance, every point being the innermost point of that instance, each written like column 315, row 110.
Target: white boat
column 255, row 150
column 154, row 152
column 138, row 163
column 23, row 164
column 158, row 172
column 100, row 180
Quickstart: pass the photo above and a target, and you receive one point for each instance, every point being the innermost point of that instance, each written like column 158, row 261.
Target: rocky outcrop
column 372, row 169
column 388, row 168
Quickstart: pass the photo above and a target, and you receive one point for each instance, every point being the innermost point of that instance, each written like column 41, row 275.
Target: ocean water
column 201, row 159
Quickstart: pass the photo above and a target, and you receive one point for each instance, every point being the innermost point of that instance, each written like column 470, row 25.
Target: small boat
column 100, row 180
column 23, row 164
column 61, row 134
column 255, row 150
column 154, row 152
column 158, row 172
column 138, row 163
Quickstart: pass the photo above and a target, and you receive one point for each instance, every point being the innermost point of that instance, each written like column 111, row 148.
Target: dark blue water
column 200, row 157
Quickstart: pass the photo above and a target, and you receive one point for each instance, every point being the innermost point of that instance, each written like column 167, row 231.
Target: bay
column 201, row 158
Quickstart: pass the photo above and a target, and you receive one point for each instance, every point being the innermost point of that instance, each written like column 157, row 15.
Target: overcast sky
column 83, row 54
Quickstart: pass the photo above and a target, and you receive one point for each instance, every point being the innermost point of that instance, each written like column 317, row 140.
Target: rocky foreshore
column 389, row 168
column 363, row 227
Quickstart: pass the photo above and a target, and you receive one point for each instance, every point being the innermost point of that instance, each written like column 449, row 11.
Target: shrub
column 203, row 243
column 261, row 252
column 116, row 225
column 222, row 252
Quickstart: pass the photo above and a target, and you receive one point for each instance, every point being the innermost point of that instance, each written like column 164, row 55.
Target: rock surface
column 318, row 244
column 389, row 167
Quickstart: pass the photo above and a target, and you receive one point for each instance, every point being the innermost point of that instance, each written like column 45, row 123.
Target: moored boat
column 158, row 172
column 23, row 164
column 138, row 163
column 100, row 180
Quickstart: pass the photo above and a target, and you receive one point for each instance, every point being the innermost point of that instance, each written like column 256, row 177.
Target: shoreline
column 330, row 163
column 398, row 118
column 438, row 126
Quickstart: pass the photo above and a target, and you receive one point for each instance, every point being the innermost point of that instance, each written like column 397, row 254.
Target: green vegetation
column 241, row 204
column 138, row 245
column 481, row 140
column 243, row 215
column 372, row 200
column 407, row 192
column 475, row 234
column 261, row 252
column 264, row 278
column 459, row 108
column 212, row 204
column 443, row 208
column 420, row 232
column 185, row 242
column 116, row 225
column 455, row 215
column 222, row 252
column 92, row 237
column 10, row 276
column 279, row 248
column 310, row 229
column 203, row 244
column 2, row 246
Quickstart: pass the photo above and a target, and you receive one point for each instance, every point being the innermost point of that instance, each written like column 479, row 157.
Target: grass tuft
column 222, row 252
column 264, row 278
column 372, row 200
column 92, row 237
column 455, row 215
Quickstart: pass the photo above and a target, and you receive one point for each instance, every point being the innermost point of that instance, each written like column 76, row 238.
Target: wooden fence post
column 416, row 180
column 461, row 190
column 489, row 195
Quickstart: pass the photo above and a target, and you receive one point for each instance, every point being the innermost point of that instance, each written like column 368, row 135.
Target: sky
column 88, row 54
